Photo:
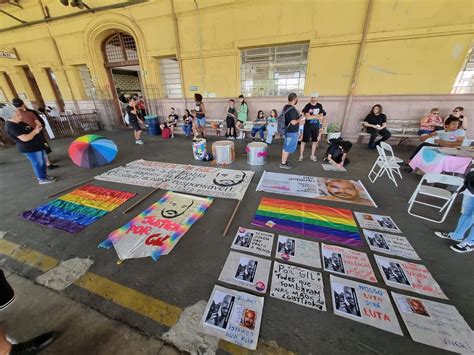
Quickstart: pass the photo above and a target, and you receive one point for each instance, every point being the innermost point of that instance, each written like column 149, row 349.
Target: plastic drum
column 257, row 153
column 199, row 149
column 223, row 152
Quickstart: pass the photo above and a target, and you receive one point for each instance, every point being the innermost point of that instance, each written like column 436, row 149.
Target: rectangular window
column 171, row 78
column 465, row 80
column 86, row 79
column 274, row 71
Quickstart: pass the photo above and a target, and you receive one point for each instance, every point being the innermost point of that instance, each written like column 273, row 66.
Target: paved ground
column 189, row 273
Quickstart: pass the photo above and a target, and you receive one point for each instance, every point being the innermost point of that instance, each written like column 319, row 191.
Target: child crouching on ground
column 336, row 154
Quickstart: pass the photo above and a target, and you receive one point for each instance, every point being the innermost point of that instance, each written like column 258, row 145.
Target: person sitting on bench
column 376, row 123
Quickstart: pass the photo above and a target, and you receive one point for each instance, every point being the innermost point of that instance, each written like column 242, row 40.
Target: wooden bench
column 400, row 129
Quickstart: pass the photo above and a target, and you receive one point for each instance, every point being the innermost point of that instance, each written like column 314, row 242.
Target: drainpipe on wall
column 178, row 49
column 198, row 21
column 355, row 73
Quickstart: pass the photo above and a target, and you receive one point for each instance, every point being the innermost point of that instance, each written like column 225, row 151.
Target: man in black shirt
column 292, row 121
column 375, row 123
column 314, row 113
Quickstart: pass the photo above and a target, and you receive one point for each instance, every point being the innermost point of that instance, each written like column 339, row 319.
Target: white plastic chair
column 384, row 165
column 391, row 156
column 436, row 192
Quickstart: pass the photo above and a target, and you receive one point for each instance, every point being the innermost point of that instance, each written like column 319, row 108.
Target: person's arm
column 442, row 143
column 203, row 109
column 28, row 137
column 464, row 123
column 366, row 122
column 424, row 122
column 424, row 137
column 384, row 123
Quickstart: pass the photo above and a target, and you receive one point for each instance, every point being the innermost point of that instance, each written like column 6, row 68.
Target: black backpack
column 281, row 126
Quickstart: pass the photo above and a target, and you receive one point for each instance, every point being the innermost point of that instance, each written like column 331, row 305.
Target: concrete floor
column 188, row 274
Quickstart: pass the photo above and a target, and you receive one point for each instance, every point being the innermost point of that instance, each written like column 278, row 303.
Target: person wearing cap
column 314, row 113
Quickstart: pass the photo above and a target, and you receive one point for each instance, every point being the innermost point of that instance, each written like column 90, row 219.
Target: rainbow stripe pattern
column 322, row 222
column 76, row 210
column 130, row 245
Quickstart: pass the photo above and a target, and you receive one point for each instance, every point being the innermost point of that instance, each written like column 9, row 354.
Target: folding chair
column 391, row 157
column 384, row 165
column 436, row 192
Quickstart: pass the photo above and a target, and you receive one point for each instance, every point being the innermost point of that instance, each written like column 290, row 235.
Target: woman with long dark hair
column 200, row 115
column 375, row 123
column 188, row 122
column 259, row 125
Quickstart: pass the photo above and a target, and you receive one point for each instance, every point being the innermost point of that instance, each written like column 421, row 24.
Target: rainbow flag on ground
column 322, row 222
column 76, row 210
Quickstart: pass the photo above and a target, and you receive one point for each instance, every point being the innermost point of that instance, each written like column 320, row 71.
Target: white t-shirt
column 450, row 136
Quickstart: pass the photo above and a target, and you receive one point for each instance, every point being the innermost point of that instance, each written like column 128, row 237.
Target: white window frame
column 464, row 83
column 170, row 78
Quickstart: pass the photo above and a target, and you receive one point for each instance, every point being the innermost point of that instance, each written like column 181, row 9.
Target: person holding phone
column 133, row 117
column 293, row 119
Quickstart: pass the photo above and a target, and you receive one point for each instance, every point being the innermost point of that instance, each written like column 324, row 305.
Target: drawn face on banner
column 249, row 319
column 348, row 296
column 229, row 178
column 336, row 259
column 173, row 209
column 417, row 307
column 343, row 189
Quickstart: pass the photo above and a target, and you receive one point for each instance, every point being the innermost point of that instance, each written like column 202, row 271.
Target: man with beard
column 229, row 178
column 398, row 275
column 249, row 319
column 349, row 304
column 221, row 317
column 334, row 263
column 173, row 209
column 344, row 190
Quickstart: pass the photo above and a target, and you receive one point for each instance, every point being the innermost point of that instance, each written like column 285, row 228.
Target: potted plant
column 334, row 130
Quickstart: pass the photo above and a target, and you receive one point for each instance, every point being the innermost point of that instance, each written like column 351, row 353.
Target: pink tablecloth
column 430, row 160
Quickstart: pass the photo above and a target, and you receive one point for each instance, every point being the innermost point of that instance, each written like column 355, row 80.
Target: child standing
column 230, row 120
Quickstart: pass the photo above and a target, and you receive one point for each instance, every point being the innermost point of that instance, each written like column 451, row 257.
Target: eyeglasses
column 435, row 113
column 456, row 111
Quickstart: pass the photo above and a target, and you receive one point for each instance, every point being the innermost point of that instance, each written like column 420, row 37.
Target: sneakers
column 285, row 166
column 463, row 247
column 443, row 235
column 48, row 180
column 139, row 142
column 313, row 158
column 300, row 158
column 35, row 345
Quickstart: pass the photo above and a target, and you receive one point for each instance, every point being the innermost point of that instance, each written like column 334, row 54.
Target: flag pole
column 70, row 187
column 232, row 218
column 140, row 200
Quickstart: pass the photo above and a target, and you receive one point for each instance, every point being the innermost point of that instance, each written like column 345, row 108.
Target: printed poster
column 298, row 251
column 253, row 241
column 408, row 276
column 375, row 221
column 158, row 229
column 330, row 167
column 246, row 271
column 364, row 303
column 347, row 262
column 329, row 189
column 390, row 244
column 435, row 324
column 233, row 316
column 298, row 285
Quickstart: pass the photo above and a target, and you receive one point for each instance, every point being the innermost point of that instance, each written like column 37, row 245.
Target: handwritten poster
column 375, row 221
column 253, row 241
column 347, row 262
column 408, row 276
column 364, row 303
column 298, row 251
column 390, row 244
column 197, row 180
column 157, row 230
column 233, row 316
column 435, row 324
column 298, row 285
column 246, row 271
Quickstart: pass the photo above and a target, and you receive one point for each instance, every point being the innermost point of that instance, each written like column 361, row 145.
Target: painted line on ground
column 152, row 308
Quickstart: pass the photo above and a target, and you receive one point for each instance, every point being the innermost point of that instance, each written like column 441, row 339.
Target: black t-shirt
column 232, row 111
column 18, row 129
column 188, row 119
column 335, row 152
column 199, row 113
column 291, row 115
column 379, row 119
column 313, row 110
column 132, row 116
column 173, row 118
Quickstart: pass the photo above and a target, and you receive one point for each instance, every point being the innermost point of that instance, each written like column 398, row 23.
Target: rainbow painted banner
column 322, row 222
column 157, row 230
column 76, row 210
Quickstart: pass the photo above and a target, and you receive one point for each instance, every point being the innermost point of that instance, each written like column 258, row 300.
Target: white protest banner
column 347, row 262
column 435, row 324
column 330, row 167
column 375, row 221
column 408, row 276
column 390, row 244
column 253, row 241
column 197, row 180
column 246, row 271
column 298, row 251
column 298, row 285
column 338, row 190
column 233, row 316
column 364, row 303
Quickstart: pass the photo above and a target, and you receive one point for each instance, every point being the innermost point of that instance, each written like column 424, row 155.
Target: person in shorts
column 171, row 122
column 133, row 118
column 200, row 115
column 292, row 122
column 230, row 120
column 314, row 113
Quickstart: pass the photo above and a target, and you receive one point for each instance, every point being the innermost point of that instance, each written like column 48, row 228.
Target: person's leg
column 261, row 132
column 38, row 163
column 5, row 346
column 270, row 133
column 313, row 149
column 253, row 132
column 373, row 134
column 419, row 148
column 465, row 220
column 303, row 144
column 385, row 133
column 172, row 130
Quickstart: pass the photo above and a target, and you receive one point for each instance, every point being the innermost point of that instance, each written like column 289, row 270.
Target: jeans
column 465, row 221
column 271, row 131
column 187, row 128
column 38, row 161
column 260, row 130
column 374, row 133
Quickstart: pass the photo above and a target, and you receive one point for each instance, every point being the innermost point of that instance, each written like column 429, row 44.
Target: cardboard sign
column 298, row 251
column 347, row 262
column 435, row 324
column 375, row 221
column 364, row 303
column 408, row 276
column 246, row 271
column 233, row 316
column 253, row 241
column 298, row 285
column 390, row 244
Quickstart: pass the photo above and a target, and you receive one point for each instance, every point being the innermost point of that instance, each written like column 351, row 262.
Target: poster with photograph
column 435, row 324
column 390, row 244
column 233, row 316
column 330, row 167
column 375, row 221
column 253, row 241
column 298, row 285
column 347, row 262
column 246, row 271
column 408, row 276
column 364, row 303
column 298, row 251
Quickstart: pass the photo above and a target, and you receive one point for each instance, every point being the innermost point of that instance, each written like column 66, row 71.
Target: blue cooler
column 152, row 124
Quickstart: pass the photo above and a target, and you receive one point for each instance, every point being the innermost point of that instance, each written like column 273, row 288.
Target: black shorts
column 229, row 121
column 135, row 125
column 310, row 133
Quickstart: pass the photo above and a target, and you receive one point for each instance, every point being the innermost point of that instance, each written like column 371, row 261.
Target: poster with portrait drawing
column 298, row 251
column 253, row 241
column 390, row 244
column 375, row 221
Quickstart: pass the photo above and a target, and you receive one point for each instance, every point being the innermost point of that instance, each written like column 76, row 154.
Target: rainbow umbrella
column 92, row 150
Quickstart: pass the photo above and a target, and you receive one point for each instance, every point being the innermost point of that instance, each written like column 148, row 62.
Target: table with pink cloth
column 431, row 160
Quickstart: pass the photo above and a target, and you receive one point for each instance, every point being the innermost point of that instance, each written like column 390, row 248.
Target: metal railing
column 74, row 124
column 5, row 139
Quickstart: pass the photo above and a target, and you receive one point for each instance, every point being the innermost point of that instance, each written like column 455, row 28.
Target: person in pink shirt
column 431, row 123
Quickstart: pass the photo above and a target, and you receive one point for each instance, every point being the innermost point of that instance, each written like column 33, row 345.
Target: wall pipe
column 178, row 49
column 200, row 45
